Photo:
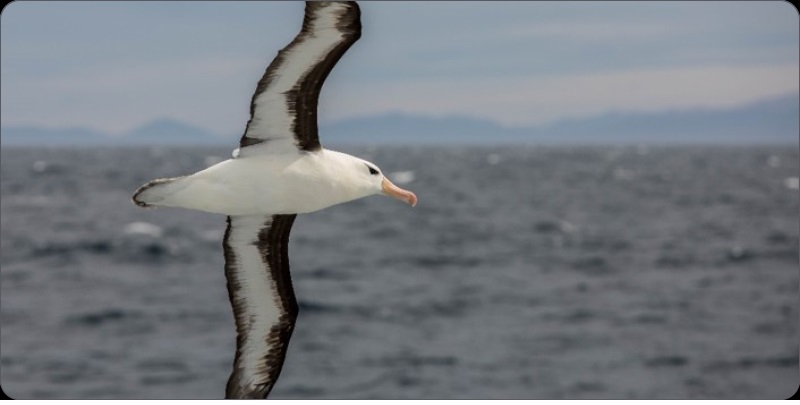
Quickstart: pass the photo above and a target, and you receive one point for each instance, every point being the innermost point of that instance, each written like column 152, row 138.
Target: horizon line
column 401, row 113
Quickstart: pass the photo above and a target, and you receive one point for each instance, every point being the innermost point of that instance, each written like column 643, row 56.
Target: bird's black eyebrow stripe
column 372, row 170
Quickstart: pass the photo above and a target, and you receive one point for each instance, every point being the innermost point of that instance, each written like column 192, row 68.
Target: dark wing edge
column 301, row 100
column 256, row 295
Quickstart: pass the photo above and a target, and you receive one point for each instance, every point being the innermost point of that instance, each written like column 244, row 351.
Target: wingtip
column 139, row 203
column 152, row 193
column 348, row 18
column 136, row 199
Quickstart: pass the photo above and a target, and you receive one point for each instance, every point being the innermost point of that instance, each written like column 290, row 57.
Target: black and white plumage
column 295, row 77
column 260, row 289
column 279, row 170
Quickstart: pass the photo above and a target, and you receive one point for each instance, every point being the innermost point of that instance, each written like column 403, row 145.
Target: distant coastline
column 771, row 121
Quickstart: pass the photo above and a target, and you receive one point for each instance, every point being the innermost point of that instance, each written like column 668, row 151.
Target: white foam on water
column 623, row 174
column 773, row 161
column 792, row 183
column 39, row 166
column 493, row 158
column 143, row 228
column 403, row 177
column 567, row 227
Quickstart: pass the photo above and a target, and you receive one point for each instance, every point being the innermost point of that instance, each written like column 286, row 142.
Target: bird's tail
column 157, row 192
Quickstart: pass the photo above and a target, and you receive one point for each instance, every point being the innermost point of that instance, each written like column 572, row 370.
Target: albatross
column 279, row 170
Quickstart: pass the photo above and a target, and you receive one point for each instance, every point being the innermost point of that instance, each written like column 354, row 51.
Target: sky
column 113, row 66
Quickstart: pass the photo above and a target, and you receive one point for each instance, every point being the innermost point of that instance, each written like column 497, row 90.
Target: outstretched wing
column 283, row 111
column 260, row 289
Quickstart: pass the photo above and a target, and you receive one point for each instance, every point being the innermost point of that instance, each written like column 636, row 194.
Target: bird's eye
column 373, row 171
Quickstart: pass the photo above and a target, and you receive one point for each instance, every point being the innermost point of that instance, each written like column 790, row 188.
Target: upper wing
column 260, row 289
column 283, row 111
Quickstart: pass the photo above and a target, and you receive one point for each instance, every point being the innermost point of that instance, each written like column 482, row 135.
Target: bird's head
column 379, row 184
column 360, row 178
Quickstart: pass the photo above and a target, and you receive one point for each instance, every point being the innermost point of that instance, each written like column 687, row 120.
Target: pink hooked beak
column 393, row 191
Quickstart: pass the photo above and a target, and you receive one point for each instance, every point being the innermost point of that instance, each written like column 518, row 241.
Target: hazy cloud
column 594, row 31
column 537, row 100
column 116, row 65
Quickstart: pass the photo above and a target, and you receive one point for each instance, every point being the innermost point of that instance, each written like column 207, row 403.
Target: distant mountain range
column 162, row 131
column 772, row 121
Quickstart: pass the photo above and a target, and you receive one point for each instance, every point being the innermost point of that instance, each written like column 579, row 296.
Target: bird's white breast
column 269, row 184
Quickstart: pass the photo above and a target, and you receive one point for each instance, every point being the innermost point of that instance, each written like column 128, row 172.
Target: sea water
column 523, row 272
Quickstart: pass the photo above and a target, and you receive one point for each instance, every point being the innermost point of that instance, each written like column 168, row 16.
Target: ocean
column 524, row 272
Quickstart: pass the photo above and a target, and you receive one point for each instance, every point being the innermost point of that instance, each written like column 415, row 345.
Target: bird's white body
column 290, row 183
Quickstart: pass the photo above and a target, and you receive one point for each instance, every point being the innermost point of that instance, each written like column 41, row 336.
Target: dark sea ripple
column 528, row 272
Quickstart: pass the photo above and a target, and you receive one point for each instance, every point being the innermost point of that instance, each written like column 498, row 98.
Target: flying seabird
column 279, row 170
